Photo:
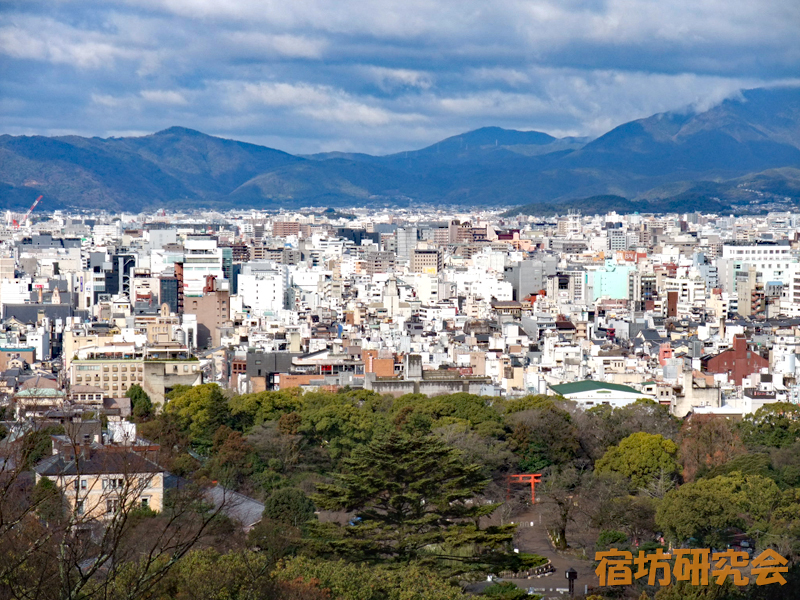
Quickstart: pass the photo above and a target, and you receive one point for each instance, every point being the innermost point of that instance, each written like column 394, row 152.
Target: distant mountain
column 176, row 164
column 744, row 150
column 759, row 131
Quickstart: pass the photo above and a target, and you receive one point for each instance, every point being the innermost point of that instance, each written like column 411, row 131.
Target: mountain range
column 743, row 151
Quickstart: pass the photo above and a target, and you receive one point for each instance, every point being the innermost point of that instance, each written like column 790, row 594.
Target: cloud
column 390, row 79
column 379, row 76
column 291, row 46
column 164, row 97
column 48, row 41
column 322, row 103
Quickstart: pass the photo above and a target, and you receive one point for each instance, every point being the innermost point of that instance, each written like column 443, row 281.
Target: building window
column 145, row 502
column 84, row 484
column 112, row 505
column 79, row 507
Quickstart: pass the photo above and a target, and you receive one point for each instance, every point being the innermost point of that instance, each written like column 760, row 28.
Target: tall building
column 285, row 228
column 426, row 261
column 406, row 242
column 212, row 310
column 263, row 287
column 202, row 257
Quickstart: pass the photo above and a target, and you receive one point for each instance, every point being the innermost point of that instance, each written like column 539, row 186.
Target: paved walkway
column 533, row 539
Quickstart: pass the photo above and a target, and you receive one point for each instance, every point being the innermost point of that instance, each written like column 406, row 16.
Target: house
column 98, row 481
column 37, row 401
column 738, row 362
column 595, row 393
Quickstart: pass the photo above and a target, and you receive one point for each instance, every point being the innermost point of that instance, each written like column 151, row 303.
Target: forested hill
column 366, row 497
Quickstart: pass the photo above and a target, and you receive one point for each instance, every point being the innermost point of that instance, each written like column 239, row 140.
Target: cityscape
column 148, row 348
column 345, row 300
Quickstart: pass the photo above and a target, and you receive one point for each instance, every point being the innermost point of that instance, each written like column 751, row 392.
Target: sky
column 379, row 76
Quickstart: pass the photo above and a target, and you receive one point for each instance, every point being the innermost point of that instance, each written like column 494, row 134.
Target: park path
column 532, row 537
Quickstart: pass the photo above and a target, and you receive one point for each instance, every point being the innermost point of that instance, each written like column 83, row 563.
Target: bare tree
column 96, row 518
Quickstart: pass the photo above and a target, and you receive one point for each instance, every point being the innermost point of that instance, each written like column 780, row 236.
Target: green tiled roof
column 588, row 386
column 40, row 393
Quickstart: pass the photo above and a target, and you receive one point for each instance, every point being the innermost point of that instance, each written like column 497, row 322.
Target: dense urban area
column 396, row 404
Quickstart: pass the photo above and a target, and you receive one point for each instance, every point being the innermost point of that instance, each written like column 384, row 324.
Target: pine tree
column 413, row 501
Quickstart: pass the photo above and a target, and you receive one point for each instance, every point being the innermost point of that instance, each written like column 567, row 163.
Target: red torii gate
column 533, row 478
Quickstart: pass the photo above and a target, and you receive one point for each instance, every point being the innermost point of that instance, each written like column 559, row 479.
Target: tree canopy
column 412, row 500
column 641, row 457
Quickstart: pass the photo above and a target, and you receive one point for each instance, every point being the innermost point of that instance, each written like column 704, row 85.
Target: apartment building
column 98, row 483
column 115, row 368
column 426, row 261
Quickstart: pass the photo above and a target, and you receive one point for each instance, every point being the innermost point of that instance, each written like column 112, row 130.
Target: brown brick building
column 738, row 362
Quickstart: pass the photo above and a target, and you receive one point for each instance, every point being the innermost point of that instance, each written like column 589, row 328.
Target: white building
column 263, row 287
column 588, row 394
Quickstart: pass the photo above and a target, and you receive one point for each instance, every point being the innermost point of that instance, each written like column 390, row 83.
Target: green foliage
column 535, row 401
column 505, row 590
column 289, row 506
column 340, row 422
column 37, row 444
column 786, row 465
column 492, row 454
column 604, row 426
column 48, row 500
column 474, row 411
column 641, row 457
column 771, row 426
column 176, row 390
column 349, row 581
column 232, row 458
column 209, row 575
column 706, row 509
column 251, row 410
column 414, row 501
column 543, row 437
column 201, row 410
column 747, row 464
column 141, row 405
column 610, row 538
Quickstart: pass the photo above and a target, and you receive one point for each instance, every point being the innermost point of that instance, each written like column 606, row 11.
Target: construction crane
column 30, row 210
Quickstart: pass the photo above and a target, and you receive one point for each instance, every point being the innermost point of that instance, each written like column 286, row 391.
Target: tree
column 747, row 464
column 707, row 441
column 506, row 590
column 774, row 425
column 543, row 437
column 251, row 410
column 492, row 454
column 642, row 458
column 475, row 411
column 141, row 405
column 348, row 581
column 609, row 506
column 414, row 501
column 245, row 575
column 340, row 423
column 559, row 496
column 706, row 509
column 289, row 506
column 201, row 410
column 81, row 547
column 702, row 510
column 50, row 504
column 232, row 459
column 603, row 426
